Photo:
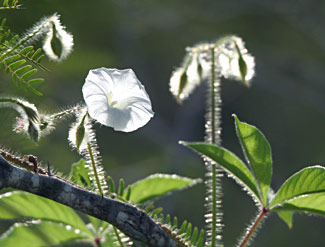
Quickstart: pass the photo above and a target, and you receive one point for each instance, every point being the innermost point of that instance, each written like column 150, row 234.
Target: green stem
column 214, row 205
column 94, row 168
column 213, row 78
column 253, row 228
column 66, row 112
column 213, row 166
column 213, row 136
column 118, row 237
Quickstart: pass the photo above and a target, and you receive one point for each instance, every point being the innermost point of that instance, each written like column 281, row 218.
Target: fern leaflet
column 184, row 236
column 13, row 57
column 10, row 4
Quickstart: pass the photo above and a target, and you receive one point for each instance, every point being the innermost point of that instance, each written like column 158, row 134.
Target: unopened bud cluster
column 231, row 60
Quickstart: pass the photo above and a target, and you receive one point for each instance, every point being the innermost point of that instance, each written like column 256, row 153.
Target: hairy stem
column 213, row 120
column 253, row 228
column 92, row 160
column 213, row 100
column 66, row 112
column 118, row 237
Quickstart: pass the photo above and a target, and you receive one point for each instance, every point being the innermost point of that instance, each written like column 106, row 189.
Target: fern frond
column 15, row 51
column 122, row 192
column 10, row 4
column 4, row 33
column 116, row 238
column 184, row 236
column 13, row 57
column 21, row 73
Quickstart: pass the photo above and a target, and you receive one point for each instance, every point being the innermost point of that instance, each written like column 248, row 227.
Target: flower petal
column 116, row 98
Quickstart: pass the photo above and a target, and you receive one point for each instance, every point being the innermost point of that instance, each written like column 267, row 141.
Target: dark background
column 286, row 99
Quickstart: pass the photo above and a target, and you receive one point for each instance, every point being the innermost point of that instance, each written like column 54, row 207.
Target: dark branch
column 131, row 221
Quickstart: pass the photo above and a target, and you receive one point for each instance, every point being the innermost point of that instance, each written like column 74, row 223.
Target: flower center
column 113, row 103
column 110, row 100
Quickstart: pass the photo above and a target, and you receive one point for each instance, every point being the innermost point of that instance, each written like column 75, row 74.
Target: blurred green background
column 286, row 99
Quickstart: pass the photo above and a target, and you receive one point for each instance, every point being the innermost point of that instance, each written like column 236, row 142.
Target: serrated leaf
column 302, row 184
column 157, row 185
column 21, row 205
column 287, row 217
column 257, row 152
column 39, row 234
column 79, row 174
column 230, row 163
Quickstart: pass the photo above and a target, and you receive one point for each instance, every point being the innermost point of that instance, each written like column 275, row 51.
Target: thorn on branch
column 32, row 159
column 49, row 169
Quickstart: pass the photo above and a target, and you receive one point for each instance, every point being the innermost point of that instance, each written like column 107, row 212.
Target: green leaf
column 16, row 64
column 35, row 81
column 231, row 163
column 11, row 59
column 33, row 131
column 303, row 184
column 257, row 152
column 286, row 216
column 242, row 66
column 33, row 90
column 28, row 74
column 5, row 3
column 26, row 49
column 39, row 234
column 310, row 203
column 23, row 69
column 79, row 174
column 157, row 185
column 21, row 205
column 38, row 51
column 182, row 83
column 121, row 188
column 111, row 184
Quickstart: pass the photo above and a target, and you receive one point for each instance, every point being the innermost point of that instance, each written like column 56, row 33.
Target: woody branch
column 131, row 221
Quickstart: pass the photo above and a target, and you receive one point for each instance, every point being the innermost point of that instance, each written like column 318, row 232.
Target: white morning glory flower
column 116, row 98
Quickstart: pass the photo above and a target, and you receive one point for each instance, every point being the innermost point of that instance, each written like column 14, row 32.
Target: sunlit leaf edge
column 250, row 189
